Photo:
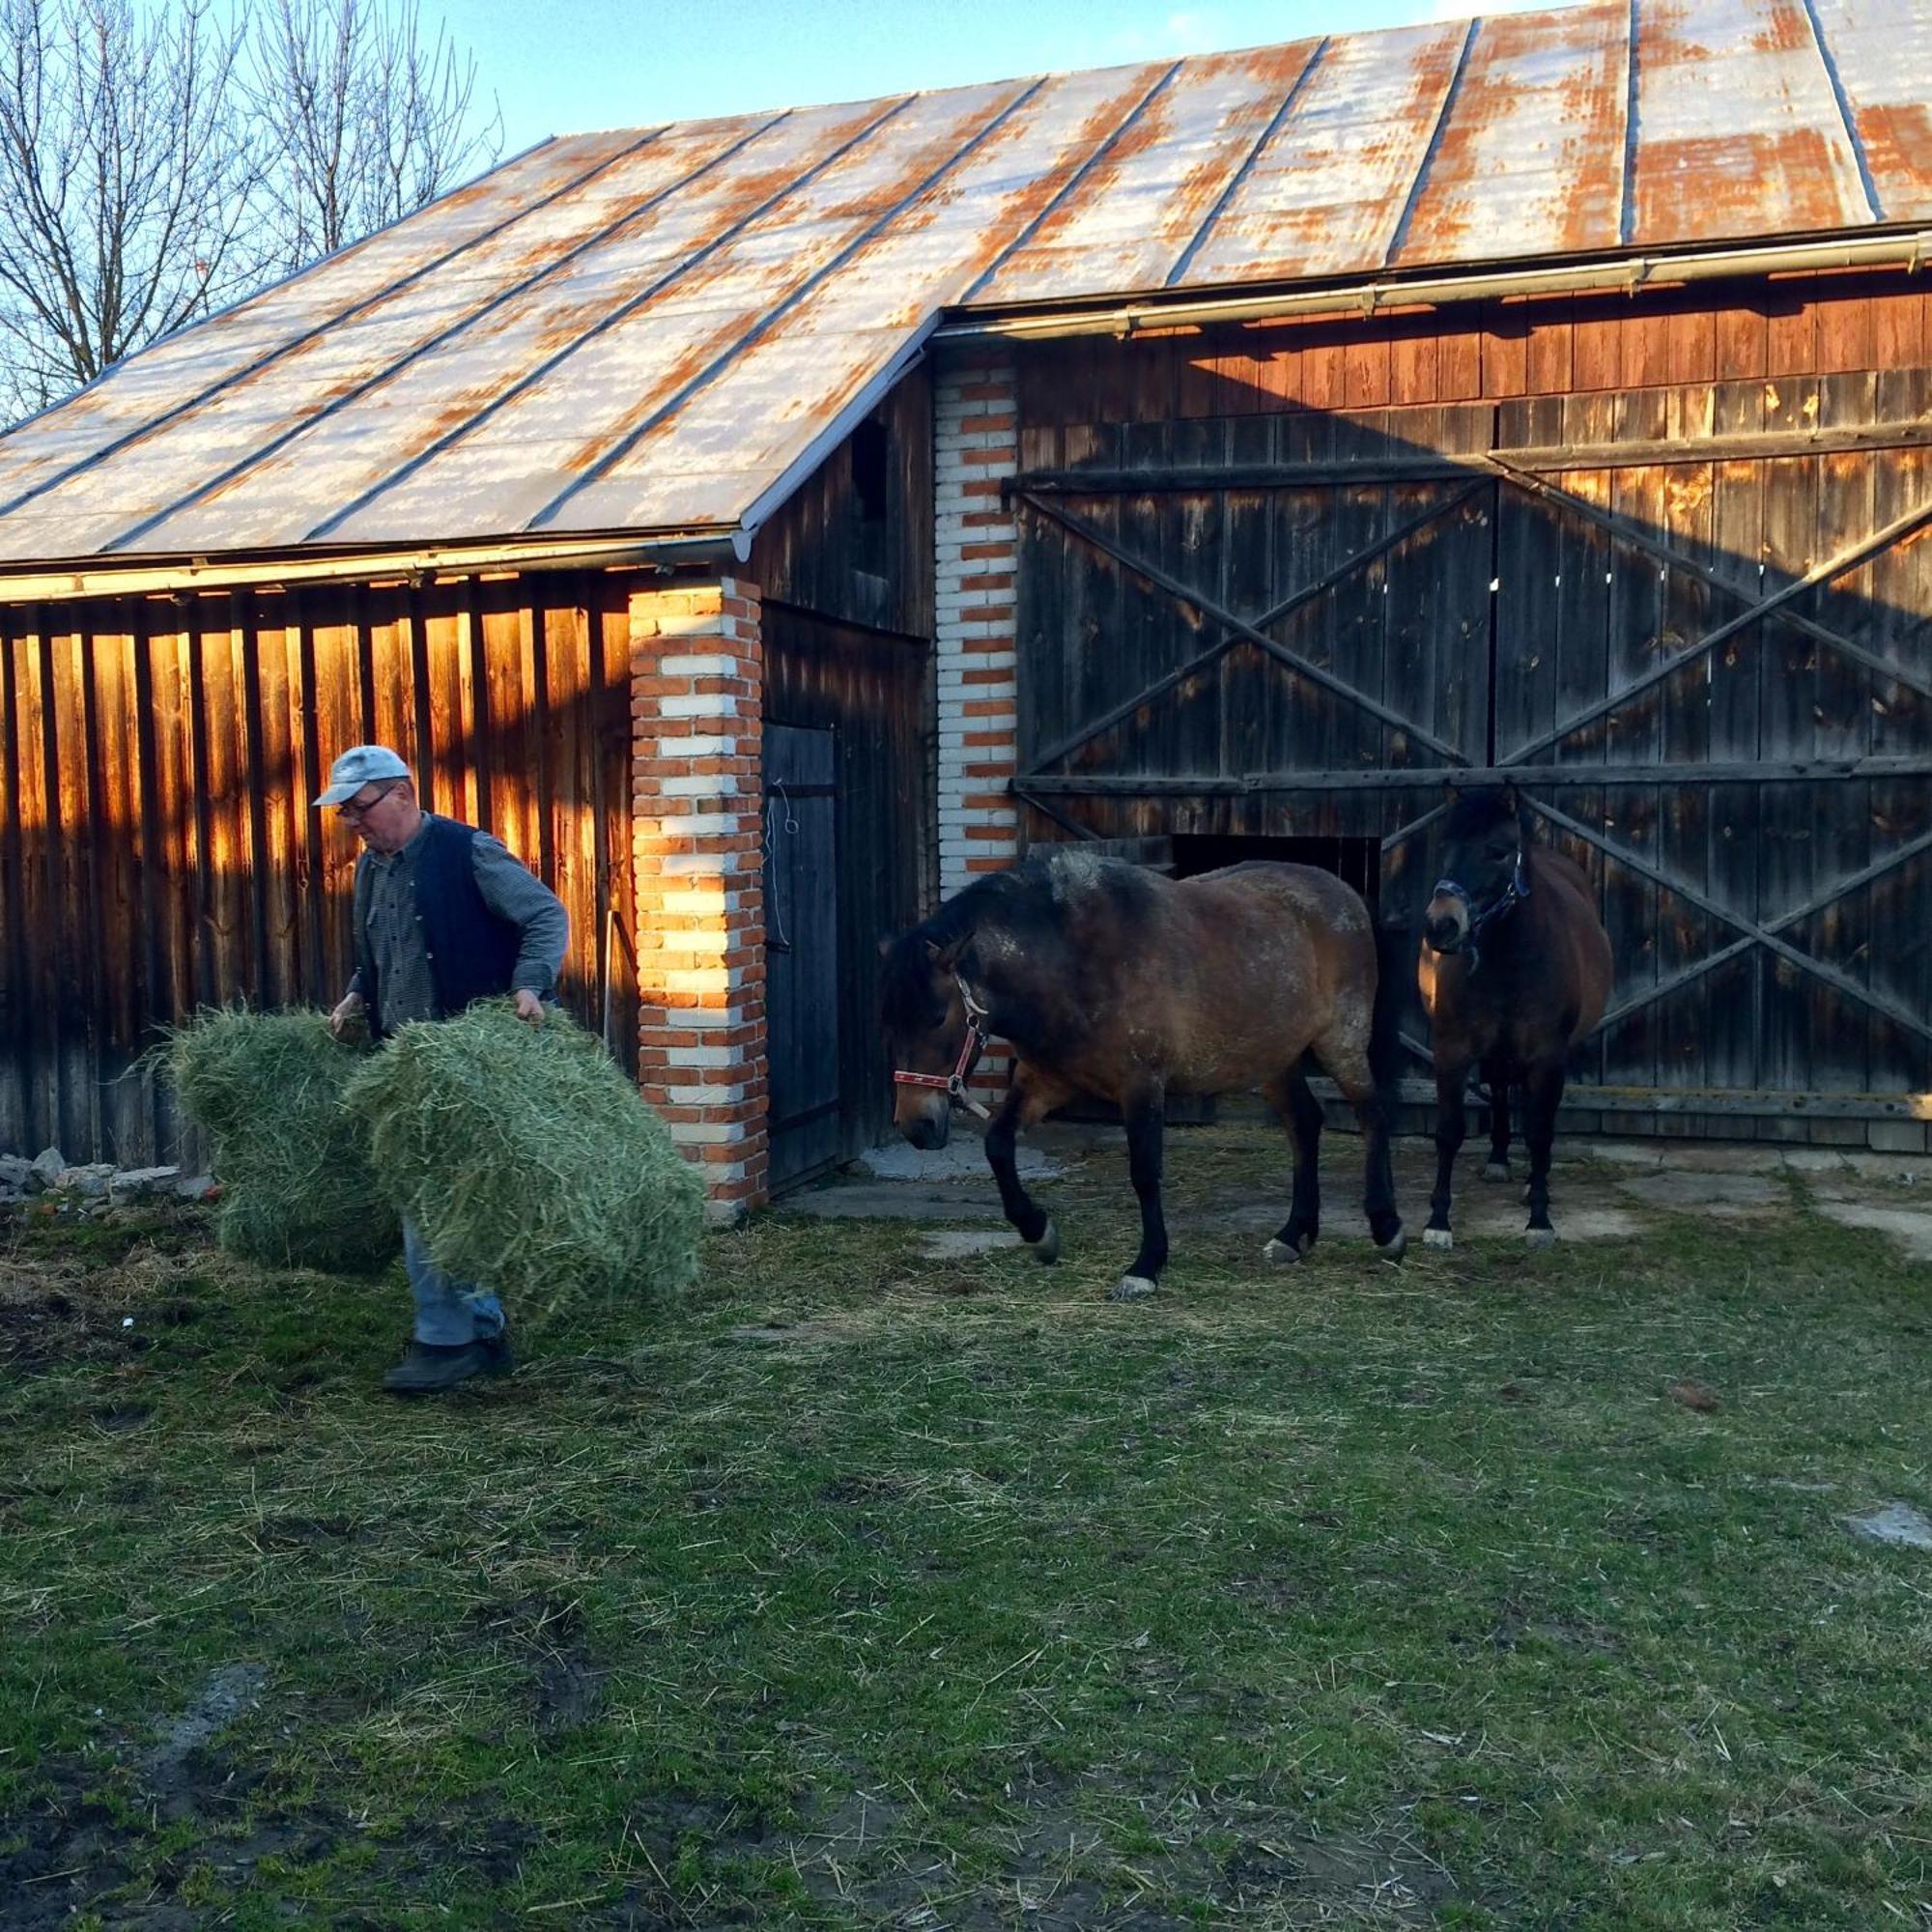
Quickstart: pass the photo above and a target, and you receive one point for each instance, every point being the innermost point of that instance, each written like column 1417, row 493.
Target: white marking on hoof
column 1281, row 1253
column 1132, row 1288
column 1496, row 1170
column 1539, row 1237
column 1439, row 1237
column 1395, row 1247
column 1046, row 1250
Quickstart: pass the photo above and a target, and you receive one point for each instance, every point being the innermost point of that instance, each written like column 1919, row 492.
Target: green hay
column 293, row 1162
column 528, row 1161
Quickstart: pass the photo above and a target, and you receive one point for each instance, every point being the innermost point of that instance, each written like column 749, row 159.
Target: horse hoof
column 1046, row 1250
column 1132, row 1288
column 1439, row 1237
column 1496, row 1170
column 1395, row 1247
column 1285, row 1254
column 1539, row 1237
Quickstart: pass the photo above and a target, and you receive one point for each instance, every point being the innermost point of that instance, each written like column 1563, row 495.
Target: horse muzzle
column 927, row 1124
column 1446, row 925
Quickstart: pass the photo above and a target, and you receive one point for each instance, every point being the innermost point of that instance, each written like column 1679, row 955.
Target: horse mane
column 1019, row 900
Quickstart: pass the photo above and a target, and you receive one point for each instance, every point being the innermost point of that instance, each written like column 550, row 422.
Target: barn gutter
column 1618, row 276
column 188, row 576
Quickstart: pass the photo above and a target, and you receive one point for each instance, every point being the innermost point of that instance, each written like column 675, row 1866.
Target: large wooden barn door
column 1695, row 624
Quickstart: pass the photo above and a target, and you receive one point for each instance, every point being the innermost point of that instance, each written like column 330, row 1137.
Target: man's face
column 382, row 814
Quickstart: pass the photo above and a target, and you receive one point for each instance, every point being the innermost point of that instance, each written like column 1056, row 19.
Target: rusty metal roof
column 661, row 329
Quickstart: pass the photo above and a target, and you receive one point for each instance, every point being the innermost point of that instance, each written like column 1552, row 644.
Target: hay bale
column 294, row 1162
column 527, row 1160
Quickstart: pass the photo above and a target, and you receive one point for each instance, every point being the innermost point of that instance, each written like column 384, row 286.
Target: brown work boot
column 429, row 1368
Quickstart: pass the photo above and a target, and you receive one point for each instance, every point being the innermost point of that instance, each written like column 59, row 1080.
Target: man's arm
column 513, row 893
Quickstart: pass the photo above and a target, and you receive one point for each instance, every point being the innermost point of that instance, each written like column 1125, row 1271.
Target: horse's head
column 930, row 1037
column 1483, row 860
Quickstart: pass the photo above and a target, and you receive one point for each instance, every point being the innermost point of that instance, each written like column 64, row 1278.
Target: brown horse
column 1115, row 982
column 1515, row 970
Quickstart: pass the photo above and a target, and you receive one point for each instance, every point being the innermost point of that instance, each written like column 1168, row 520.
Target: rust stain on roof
column 649, row 327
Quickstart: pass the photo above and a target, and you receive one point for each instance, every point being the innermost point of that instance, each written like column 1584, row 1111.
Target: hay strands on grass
column 292, row 1160
column 527, row 1160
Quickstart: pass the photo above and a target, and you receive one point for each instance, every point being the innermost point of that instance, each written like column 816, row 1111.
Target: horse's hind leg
column 1544, row 1096
column 1145, row 1116
column 1451, row 1125
column 1301, row 1115
column 1495, row 1077
column 1029, row 1098
column 1349, row 1070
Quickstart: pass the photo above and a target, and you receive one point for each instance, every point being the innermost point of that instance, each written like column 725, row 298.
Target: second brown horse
column 1515, row 970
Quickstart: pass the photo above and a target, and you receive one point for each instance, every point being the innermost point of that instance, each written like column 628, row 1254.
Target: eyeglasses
column 360, row 807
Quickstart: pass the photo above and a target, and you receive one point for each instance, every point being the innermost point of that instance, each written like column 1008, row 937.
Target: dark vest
column 471, row 952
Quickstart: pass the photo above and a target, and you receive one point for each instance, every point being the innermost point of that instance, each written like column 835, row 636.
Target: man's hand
column 349, row 1009
column 529, row 1007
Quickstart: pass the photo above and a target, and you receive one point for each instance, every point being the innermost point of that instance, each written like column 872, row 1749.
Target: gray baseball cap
column 360, row 765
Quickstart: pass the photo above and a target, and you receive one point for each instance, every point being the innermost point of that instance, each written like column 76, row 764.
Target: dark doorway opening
column 1355, row 861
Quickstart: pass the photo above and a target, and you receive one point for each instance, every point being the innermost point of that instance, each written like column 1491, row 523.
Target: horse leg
column 1348, row 1065
column 1145, row 1116
column 1451, row 1125
column 1300, row 1114
column 1027, row 1100
column 1496, row 1076
column 1545, row 1094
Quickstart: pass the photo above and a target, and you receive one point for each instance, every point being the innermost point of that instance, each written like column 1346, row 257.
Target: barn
column 767, row 523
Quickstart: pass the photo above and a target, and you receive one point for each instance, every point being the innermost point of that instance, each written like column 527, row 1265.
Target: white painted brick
column 700, row 704
column 707, row 667
column 704, row 747
column 700, row 825
column 680, row 624
column 705, row 1097
column 716, row 784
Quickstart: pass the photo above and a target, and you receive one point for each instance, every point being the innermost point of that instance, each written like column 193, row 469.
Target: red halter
column 971, row 1048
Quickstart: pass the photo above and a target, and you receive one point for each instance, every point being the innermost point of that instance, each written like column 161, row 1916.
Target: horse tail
column 1395, row 963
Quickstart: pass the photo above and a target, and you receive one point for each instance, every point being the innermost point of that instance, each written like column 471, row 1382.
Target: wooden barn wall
column 855, row 541
column 159, row 851
column 1580, row 614
column 872, row 691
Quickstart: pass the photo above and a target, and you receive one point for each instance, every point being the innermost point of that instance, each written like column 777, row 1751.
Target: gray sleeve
column 513, row 893
column 359, row 937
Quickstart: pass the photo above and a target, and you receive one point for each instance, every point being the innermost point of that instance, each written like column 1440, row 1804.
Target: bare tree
column 126, row 178
column 158, row 163
column 366, row 116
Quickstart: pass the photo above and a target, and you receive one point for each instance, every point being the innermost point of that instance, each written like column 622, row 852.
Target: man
column 444, row 914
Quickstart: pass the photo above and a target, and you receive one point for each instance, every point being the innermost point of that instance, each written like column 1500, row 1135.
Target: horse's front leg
column 1538, row 1131
column 1030, row 1097
column 1451, row 1126
column 1495, row 1077
column 1145, row 1116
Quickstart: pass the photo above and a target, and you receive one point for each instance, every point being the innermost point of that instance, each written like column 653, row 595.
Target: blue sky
column 563, row 66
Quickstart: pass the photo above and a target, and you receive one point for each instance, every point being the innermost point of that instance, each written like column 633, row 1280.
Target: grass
column 865, row 1590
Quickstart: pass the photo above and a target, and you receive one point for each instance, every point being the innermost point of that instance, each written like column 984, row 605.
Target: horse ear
column 941, row 955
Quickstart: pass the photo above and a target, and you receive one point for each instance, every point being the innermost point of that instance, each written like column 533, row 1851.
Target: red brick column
column 697, row 803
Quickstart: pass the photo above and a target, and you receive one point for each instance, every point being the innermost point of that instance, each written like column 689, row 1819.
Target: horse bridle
column 970, row 1049
column 1512, row 895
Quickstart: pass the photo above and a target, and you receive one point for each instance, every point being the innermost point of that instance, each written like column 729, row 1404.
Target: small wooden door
column 802, row 950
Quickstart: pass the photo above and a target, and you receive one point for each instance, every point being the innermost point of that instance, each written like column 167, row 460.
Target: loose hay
column 528, row 1161
column 294, row 1162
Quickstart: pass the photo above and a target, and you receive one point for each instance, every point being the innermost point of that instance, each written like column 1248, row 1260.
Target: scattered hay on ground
column 294, row 1162
column 528, row 1161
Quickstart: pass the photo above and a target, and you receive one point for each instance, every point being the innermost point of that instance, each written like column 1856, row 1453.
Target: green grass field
column 865, row 1590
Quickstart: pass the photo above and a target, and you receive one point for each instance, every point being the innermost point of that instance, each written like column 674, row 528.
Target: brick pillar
column 975, row 447
column 696, row 804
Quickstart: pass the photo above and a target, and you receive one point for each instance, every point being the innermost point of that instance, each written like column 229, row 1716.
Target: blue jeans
column 448, row 1313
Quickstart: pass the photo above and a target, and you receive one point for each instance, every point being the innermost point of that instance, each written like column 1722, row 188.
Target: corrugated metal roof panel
column 1882, row 50
column 1739, row 126
column 1531, row 160
column 661, row 328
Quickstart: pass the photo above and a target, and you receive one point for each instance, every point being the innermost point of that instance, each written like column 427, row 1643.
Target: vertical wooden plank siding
column 158, row 849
